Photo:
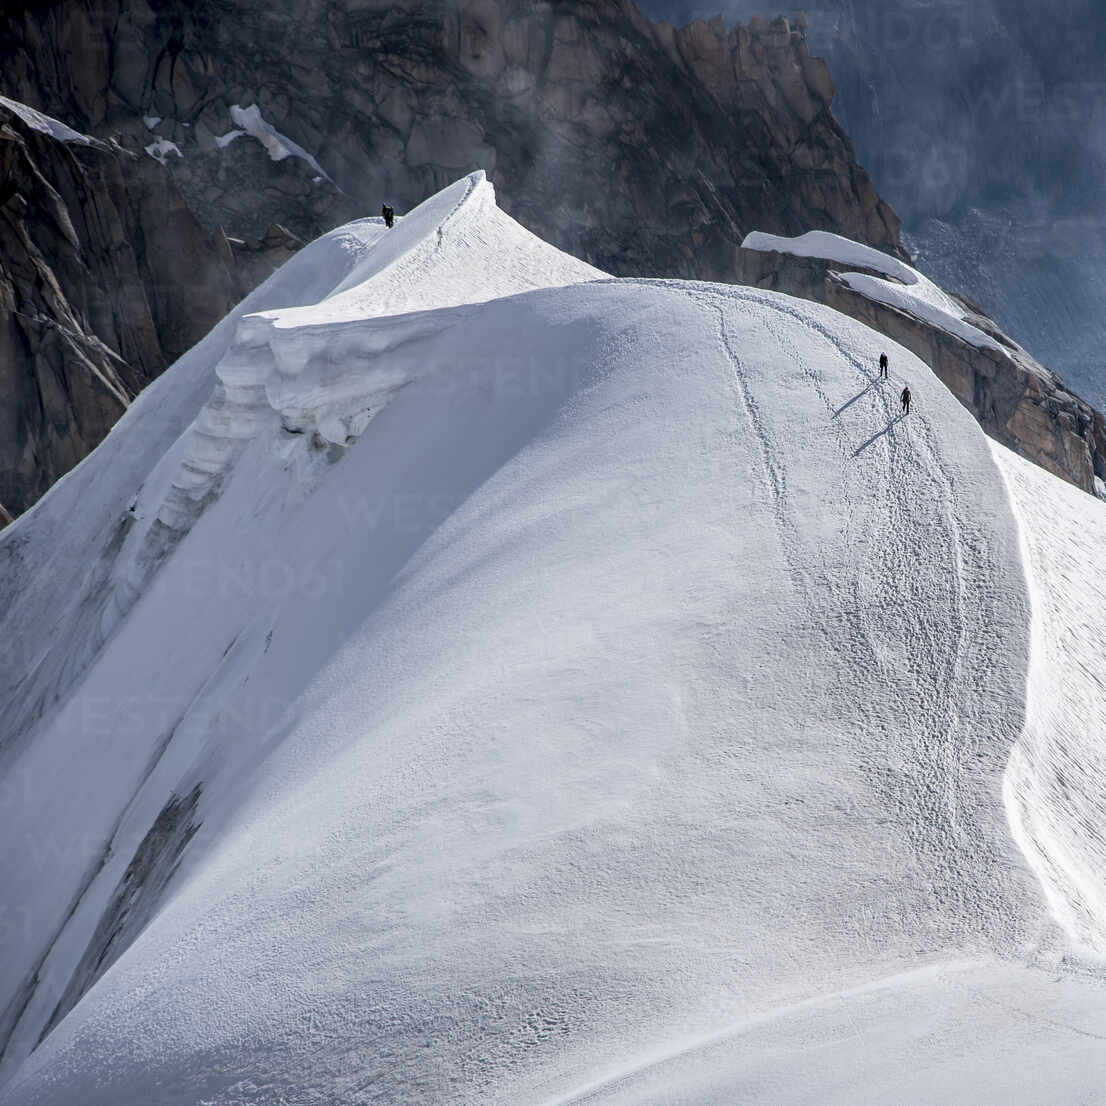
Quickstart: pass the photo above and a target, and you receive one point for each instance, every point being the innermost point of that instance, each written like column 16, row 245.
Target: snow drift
column 520, row 686
column 898, row 285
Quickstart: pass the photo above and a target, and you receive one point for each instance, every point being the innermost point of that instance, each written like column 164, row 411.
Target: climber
column 883, row 366
column 905, row 397
column 389, row 216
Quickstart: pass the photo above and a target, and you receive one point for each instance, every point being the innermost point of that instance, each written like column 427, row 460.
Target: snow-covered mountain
column 465, row 678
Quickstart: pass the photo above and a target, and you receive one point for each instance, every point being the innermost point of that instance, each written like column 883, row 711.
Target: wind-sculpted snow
column 1056, row 782
column 905, row 288
column 833, row 247
column 1024, row 1037
column 61, row 595
column 323, row 368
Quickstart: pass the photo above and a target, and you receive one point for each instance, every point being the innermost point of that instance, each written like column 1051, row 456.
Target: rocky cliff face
column 644, row 149
column 1017, row 401
column 639, row 147
column 105, row 278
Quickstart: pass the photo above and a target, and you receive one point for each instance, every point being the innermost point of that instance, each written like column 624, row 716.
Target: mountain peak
column 636, row 693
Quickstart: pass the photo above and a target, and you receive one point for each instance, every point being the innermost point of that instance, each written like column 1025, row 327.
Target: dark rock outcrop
column 1017, row 401
column 105, row 278
column 135, row 898
column 643, row 149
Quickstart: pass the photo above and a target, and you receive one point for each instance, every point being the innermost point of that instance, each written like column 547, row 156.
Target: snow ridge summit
column 467, row 678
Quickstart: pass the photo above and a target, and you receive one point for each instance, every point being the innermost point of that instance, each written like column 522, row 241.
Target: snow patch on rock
column 161, row 149
column 277, row 145
column 224, row 140
column 46, row 124
column 904, row 287
column 833, row 247
column 929, row 308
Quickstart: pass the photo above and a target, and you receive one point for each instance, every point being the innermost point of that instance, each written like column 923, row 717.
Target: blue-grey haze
column 983, row 123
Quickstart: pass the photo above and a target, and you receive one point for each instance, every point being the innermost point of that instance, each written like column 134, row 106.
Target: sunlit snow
column 465, row 678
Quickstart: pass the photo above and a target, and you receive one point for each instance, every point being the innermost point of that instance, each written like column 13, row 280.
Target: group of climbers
column 905, row 398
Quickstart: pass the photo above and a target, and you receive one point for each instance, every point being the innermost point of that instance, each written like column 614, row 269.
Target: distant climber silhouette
column 389, row 216
column 905, row 397
column 883, row 366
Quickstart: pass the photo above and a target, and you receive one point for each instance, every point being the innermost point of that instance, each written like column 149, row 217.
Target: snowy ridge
column 456, row 248
column 321, row 367
column 537, row 689
column 905, row 288
column 46, row 124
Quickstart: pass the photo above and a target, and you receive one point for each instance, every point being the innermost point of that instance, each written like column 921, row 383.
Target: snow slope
column 125, row 719
column 53, row 584
column 71, row 591
column 575, row 691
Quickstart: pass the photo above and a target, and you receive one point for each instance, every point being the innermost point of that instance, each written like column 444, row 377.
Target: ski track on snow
column 944, row 765
column 943, row 756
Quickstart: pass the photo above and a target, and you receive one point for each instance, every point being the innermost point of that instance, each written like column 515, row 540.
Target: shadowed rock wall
column 642, row 149
column 105, row 278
